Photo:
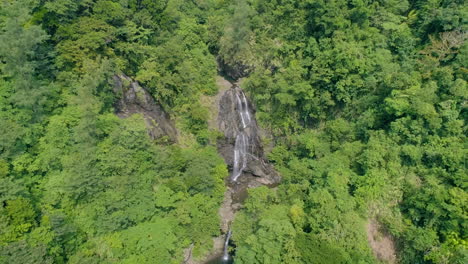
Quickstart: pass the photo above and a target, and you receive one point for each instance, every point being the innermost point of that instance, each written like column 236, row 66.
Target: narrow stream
column 242, row 150
column 240, row 156
column 242, row 139
column 225, row 258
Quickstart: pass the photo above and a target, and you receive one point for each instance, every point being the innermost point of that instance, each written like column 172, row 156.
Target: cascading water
column 240, row 155
column 242, row 150
column 243, row 108
column 226, row 246
column 242, row 139
column 246, row 107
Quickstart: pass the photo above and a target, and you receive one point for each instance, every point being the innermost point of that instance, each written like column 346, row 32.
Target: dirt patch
column 382, row 243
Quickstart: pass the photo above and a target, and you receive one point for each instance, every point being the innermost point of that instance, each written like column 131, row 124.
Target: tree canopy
column 364, row 103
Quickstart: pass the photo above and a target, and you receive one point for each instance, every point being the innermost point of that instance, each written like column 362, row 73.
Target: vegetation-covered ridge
column 365, row 102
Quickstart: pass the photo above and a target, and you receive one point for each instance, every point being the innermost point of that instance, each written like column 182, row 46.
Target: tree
column 235, row 47
column 20, row 42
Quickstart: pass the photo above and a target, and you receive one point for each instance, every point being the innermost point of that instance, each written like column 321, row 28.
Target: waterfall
column 240, row 155
column 242, row 150
column 242, row 138
column 243, row 108
column 226, row 246
column 246, row 108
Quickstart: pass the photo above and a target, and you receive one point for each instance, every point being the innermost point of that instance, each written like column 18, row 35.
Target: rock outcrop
column 135, row 99
column 235, row 122
column 243, row 153
column 236, row 71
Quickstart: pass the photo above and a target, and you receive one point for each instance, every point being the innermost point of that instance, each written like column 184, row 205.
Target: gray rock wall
column 230, row 124
column 135, row 99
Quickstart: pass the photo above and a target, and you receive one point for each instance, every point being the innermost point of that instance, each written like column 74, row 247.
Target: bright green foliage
column 85, row 39
column 235, row 42
column 316, row 250
column 364, row 100
column 20, row 52
column 78, row 184
column 149, row 242
column 17, row 218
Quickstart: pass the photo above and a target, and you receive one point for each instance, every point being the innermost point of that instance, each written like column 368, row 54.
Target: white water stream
column 240, row 155
column 242, row 138
column 226, row 246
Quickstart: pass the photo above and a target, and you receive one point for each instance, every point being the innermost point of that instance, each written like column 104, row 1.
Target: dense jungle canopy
column 363, row 104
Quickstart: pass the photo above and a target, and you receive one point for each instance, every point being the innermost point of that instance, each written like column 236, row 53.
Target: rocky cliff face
column 235, row 72
column 241, row 146
column 135, row 99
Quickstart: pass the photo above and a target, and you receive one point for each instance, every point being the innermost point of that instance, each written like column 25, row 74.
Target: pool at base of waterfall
column 220, row 260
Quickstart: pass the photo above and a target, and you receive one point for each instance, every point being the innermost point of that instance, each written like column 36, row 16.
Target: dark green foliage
column 74, row 178
column 21, row 252
column 235, row 48
column 364, row 99
column 315, row 250
column 365, row 102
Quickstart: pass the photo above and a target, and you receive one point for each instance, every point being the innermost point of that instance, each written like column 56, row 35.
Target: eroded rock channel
column 242, row 151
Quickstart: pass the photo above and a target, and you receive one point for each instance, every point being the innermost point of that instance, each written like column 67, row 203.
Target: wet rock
column 134, row 99
column 230, row 110
column 232, row 123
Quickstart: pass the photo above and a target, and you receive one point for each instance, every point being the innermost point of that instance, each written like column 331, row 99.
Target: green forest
column 364, row 104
